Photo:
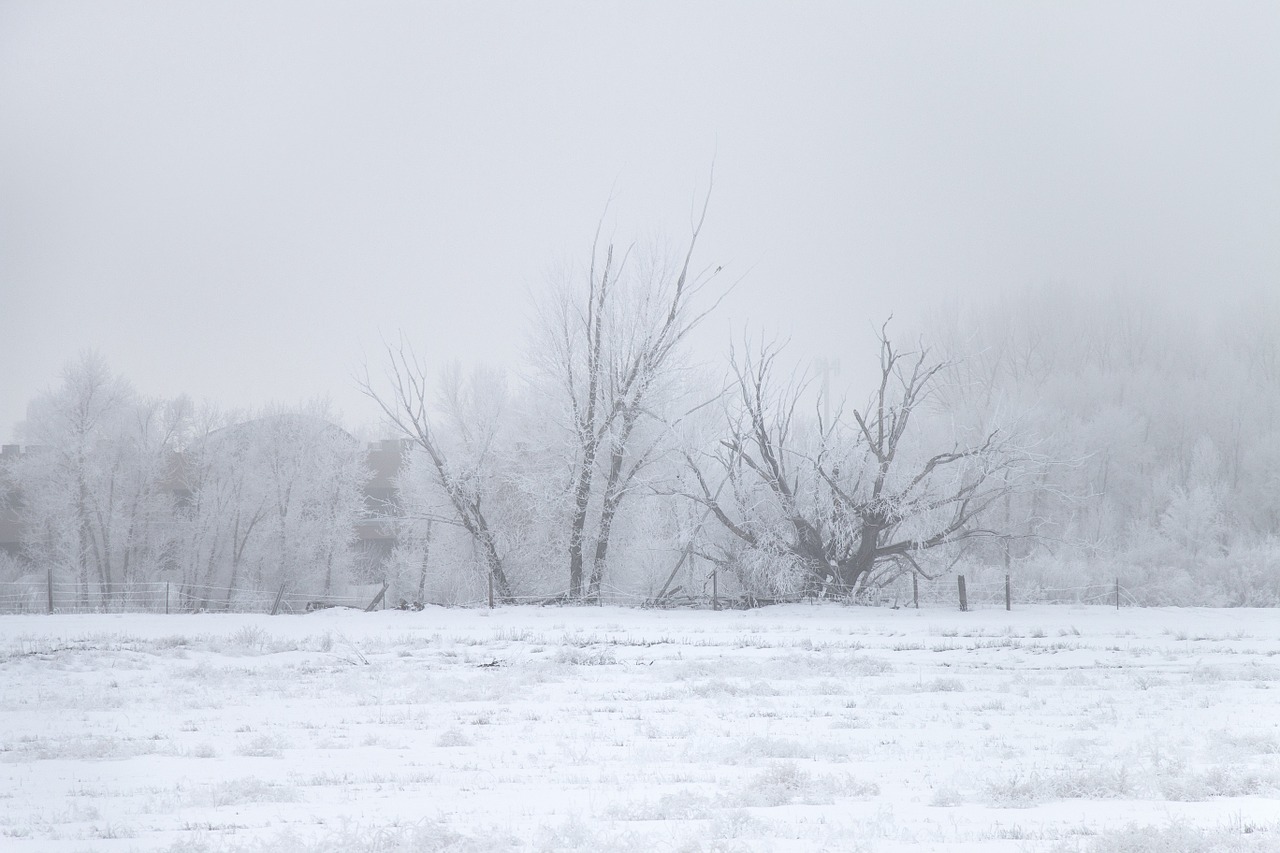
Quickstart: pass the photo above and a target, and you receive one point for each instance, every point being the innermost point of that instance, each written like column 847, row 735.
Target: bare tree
column 406, row 406
column 613, row 344
column 844, row 505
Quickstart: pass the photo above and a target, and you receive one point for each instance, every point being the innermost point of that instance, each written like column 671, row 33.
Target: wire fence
column 163, row 597
column 980, row 592
column 986, row 590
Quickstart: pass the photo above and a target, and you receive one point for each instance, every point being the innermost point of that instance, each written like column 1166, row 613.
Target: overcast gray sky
column 234, row 200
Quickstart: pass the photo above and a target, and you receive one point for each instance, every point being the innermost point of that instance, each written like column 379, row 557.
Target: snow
column 793, row 728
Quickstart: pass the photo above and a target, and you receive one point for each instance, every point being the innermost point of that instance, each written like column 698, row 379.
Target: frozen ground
column 788, row 729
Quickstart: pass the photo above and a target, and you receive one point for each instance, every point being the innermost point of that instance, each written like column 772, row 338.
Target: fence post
column 275, row 607
column 49, row 587
column 166, row 598
column 1117, row 593
column 915, row 590
column 380, row 597
column 964, row 601
column 490, row 590
column 715, row 589
column 1008, row 598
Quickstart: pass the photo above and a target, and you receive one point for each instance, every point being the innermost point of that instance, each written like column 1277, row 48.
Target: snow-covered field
column 790, row 728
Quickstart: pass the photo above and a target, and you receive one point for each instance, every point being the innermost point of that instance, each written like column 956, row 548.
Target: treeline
column 1063, row 438
column 1159, row 424
column 114, row 488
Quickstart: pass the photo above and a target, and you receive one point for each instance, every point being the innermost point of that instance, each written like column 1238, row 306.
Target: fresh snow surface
column 795, row 728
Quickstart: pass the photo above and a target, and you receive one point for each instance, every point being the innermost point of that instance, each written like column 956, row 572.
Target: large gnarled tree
column 842, row 506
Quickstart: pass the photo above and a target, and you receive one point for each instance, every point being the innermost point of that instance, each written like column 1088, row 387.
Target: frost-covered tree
column 270, row 500
column 409, row 399
column 1163, row 424
column 842, row 506
column 611, row 346
column 95, row 480
column 222, row 515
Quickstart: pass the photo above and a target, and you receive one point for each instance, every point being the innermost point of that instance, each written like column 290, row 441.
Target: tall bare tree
column 406, row 405
column 613, row 343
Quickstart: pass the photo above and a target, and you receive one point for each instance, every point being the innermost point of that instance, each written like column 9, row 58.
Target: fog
column 238, row 201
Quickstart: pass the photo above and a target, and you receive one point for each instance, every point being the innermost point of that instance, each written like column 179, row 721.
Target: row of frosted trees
column 1162, row 423
column 1062, row 438
column 619, row 468
column 1067, row 438
column 116, row 490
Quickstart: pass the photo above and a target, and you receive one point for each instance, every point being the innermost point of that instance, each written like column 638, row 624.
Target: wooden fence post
column 715, row 589
column 964, row 601
column 1117, row 593
column 684, row 555
column 490, row 590
column 381, row 597
column 275, row 607
column 915, row 590
column 49, row 587
column 166, row 598
column 1008, row 597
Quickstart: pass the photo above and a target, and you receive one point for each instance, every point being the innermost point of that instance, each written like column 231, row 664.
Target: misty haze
column 610, row 427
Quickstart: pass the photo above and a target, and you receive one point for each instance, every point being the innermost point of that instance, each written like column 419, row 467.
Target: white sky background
column 235, row 200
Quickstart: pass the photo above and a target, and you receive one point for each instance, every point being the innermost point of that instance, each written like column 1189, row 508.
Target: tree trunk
column 864, row 559
column 102, row 559
column 478, row 526
column 210, row 568
column 231, row 584
column 613, row 495
column 495, row 568
column 83, row 534
column 577, row 528
column 809, row 548
column 607, row 514
column 422, row 576
column 237, row 551
column 83, row 537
